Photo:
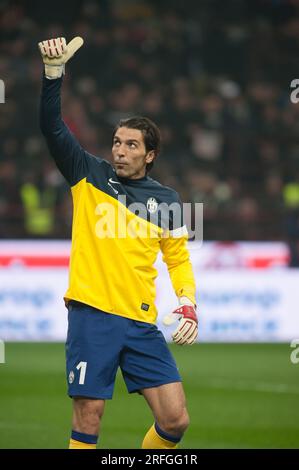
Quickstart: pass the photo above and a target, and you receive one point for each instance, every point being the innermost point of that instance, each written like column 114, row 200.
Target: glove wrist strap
column 185, row 301
column 54, row 71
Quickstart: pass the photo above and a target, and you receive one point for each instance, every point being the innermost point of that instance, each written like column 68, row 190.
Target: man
column 111, row 291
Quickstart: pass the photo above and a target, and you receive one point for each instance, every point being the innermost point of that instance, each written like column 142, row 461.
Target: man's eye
column 132, row 146
column 116, row 142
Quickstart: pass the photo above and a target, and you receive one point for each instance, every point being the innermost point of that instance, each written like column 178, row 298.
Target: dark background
column 214, row 75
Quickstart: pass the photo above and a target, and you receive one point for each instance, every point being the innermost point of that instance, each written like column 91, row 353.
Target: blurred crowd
column 215, row 76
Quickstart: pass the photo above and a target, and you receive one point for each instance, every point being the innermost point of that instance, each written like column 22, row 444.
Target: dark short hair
column 150, row 131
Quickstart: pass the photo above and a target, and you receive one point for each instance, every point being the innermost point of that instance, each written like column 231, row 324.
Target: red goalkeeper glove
column 187, row 329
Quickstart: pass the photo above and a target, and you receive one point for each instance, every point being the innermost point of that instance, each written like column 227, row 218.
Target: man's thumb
column 171, row 318
column 73, row 46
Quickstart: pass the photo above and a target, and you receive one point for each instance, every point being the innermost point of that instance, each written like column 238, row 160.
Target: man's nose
column 121, row 151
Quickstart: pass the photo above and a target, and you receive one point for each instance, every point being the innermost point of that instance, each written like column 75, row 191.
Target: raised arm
column 71, row 159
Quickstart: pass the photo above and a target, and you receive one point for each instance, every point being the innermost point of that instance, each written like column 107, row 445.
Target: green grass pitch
column 238, row 395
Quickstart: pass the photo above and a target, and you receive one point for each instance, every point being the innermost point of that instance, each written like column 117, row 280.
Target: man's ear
column 150, row 156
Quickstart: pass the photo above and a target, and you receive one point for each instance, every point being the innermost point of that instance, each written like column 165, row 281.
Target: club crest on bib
column 152, row 205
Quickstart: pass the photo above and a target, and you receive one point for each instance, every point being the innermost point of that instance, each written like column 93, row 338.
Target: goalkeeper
column 111, row 293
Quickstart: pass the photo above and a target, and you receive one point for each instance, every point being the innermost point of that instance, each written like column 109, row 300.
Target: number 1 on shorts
column 82, row 367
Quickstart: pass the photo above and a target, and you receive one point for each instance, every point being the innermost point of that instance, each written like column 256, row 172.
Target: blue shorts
column 98, row 343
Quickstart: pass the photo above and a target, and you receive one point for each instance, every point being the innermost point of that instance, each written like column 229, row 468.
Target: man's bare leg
column 168, row 405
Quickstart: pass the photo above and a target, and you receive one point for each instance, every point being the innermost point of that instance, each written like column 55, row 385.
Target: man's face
column 129, row 154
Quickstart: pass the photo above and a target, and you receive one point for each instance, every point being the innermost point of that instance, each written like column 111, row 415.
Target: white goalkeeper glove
column 56, row 53
column 187, row 330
